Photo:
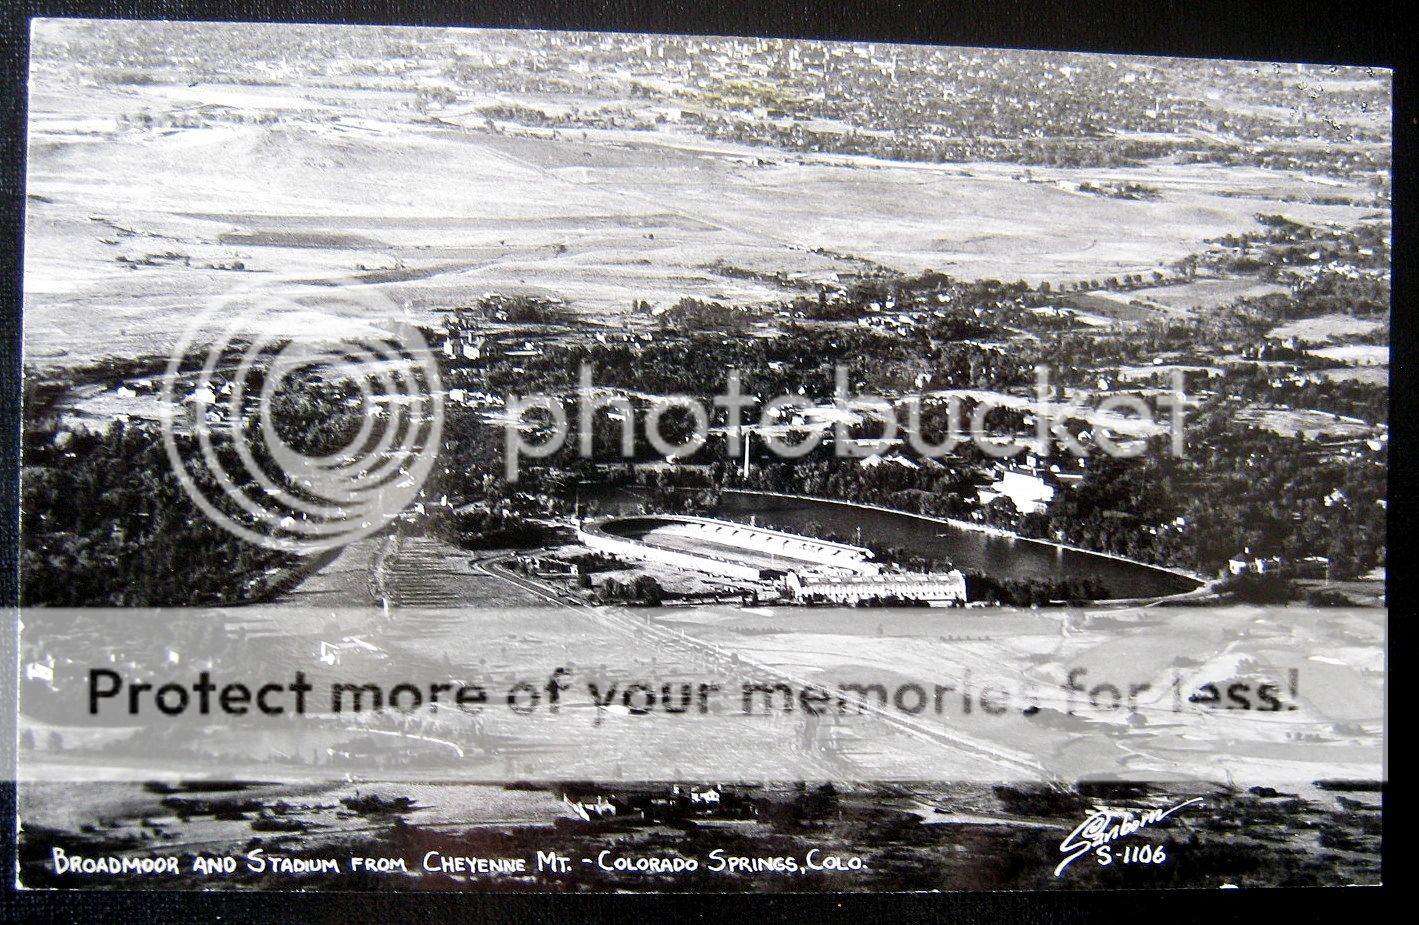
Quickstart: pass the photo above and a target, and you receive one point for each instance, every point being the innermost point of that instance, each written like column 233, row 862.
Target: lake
column 1000, row 557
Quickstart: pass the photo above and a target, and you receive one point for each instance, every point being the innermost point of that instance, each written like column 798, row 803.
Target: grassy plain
column 132, row 226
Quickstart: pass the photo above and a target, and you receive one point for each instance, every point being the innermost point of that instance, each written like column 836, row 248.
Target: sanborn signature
column 1105, row 825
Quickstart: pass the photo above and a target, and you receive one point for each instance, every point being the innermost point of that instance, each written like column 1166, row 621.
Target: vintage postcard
column 513, row 460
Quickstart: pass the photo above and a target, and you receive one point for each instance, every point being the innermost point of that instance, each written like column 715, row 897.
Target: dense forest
column 107, row 524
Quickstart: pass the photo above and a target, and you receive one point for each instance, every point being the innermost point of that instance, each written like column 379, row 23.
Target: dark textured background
column 1325, row 32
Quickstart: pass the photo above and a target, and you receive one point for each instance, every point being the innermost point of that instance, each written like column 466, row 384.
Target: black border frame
column 1266, row 30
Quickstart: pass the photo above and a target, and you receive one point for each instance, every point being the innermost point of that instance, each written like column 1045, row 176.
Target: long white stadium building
column 812, row 569
column 721, row 547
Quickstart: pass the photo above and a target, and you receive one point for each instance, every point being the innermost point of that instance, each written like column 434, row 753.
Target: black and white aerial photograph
column 515, row 460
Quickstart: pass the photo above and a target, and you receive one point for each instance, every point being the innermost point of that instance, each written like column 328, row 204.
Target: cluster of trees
column 777, row 278
column 107, row 524
column 937, row 492
column 1076, row 359
column 697, row 364
column 691, row 314
column 1236, row 488
column 1035, row 592
column 1265, row 589
column 1132, row 191
column 643, row 590
column 481, row 528
column 1368, row 401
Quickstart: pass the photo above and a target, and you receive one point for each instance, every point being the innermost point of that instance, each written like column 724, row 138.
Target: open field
column 1288, row 422
column 132, row 227
column 1204, row 293
column 1356, row 354
column 1325, row 328
column 1371, row 375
